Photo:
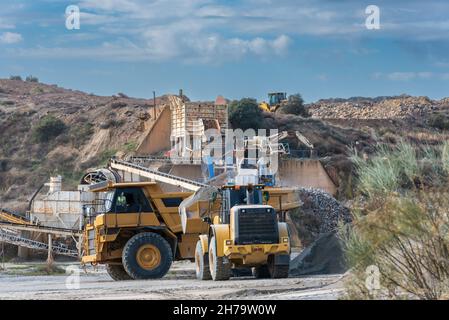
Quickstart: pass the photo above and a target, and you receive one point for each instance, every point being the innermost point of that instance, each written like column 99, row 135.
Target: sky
column 234, row 48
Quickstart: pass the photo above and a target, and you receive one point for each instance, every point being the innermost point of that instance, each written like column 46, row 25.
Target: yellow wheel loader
column 275, row 101
column 135, row 229
column 245, row 234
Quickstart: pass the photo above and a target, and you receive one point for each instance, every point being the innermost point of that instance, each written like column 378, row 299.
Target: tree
column 245, row 114
column 48, row 128
column 295, row 105
column 31, row 78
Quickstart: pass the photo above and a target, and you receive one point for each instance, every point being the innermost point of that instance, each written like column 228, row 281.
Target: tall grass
column 402, row 226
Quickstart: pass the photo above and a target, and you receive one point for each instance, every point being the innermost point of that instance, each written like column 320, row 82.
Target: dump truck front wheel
column 147, row 255
column 201, row 263
column 117, row 272
column 220, row 269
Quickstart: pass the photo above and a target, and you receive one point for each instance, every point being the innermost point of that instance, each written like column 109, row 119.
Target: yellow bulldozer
column 244, row 231
column 275, row 101
column 135, row 229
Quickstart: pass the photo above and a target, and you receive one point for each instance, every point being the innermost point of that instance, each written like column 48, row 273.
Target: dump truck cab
column 135, row 229
column 247, row 234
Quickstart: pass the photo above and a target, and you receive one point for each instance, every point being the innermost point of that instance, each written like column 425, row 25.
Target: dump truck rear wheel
column 147, row 256
column 117, row 272
column 277, row 271
column 201, row 263
column 261, row 272
column 220, row 269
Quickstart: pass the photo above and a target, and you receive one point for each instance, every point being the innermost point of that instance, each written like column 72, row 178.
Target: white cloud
column 10, row 37
column 5, row 25
column 402, row 76
column 409, row 76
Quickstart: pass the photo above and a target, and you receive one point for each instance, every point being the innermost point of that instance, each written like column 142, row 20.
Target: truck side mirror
column 266, row 196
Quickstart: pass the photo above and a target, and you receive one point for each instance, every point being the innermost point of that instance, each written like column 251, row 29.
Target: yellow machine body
column 106, row 233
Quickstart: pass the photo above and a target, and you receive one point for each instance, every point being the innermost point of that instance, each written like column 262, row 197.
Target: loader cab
column 276, row 98
column 239, row 196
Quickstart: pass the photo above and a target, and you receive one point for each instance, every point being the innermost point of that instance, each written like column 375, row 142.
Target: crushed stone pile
column 316, row 224
column 320, row 213
column 325, row 207
column 400, row 107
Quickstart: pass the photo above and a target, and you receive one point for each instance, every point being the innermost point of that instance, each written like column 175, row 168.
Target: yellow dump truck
column 135, row 229
column 244, row 231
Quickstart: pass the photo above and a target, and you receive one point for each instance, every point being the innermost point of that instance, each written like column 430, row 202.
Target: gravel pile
column 316, row 223
column 327, row 211
column 387, row 108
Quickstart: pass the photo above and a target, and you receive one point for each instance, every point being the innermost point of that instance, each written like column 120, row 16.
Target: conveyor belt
column 12, row 217
column 43, row 229
column 11, row 238
column 156, row 175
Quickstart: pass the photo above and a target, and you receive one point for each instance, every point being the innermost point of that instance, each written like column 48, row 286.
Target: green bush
column 31, row 78
column 295, row 105
column 15, row 78
column 48, row 128
column 246, row 114
column 401, row 228
column 439, row 121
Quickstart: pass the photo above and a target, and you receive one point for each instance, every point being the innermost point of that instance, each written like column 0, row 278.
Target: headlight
column 285, row 239
column 228, row 242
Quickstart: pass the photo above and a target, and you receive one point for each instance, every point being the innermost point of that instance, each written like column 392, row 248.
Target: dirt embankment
column 94, row 129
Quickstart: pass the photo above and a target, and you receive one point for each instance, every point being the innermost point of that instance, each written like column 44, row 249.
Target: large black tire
column 202, row 269
column 219, row 269
column 277, row 271
column 261, row 272
column 147, row 256
column 117, row 272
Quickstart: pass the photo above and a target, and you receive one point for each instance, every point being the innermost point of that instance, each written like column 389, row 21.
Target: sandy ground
column 180, row 283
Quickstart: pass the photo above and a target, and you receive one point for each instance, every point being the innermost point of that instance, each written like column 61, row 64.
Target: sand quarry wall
column 305, row 173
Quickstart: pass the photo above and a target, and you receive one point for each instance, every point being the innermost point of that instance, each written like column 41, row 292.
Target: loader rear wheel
column 277, row 271
column 261, row 272
column 147, row 256
column 220, row 269
column 201, row 263
column 117, row 272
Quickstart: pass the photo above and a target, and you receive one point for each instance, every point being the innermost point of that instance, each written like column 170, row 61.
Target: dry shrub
column 408, row 240
column 402, row 228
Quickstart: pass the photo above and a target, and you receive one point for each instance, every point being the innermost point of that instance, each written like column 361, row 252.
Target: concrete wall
column 158, row 136
column 305, row 173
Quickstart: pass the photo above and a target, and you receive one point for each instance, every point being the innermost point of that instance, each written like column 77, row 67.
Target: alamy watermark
column 372, row 280
column 72, row 20
column 254, row 147
column 372, row 22
column 73, row 280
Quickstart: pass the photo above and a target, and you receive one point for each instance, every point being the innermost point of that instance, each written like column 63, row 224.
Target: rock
column 374, row 108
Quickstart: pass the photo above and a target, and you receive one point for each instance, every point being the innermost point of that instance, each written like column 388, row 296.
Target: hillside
column 90, row 129
column 95, row 128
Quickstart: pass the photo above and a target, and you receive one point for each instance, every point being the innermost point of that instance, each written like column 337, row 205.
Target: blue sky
column 234, row 48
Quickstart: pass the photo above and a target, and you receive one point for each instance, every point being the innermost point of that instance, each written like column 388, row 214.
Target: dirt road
column 180, row 283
